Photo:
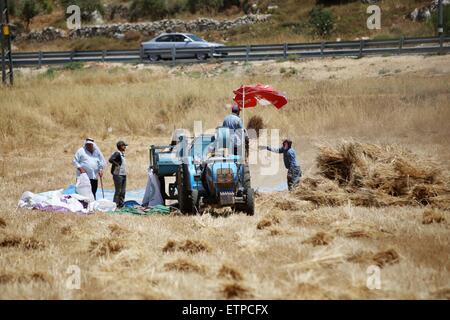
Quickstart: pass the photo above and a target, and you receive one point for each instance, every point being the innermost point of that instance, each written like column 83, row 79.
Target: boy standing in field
column 119, row 172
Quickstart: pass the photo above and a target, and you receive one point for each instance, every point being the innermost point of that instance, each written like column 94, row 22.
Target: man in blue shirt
column 237, row 132
column 290, row 162
column 233, row 121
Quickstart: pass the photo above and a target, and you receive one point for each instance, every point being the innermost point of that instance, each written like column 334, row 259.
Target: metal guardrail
column 358, row 48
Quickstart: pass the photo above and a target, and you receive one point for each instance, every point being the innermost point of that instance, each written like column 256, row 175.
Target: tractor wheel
column 194, row 200
column 249, row 205
column 247, row 182
column 184, row 197
column 250, row 202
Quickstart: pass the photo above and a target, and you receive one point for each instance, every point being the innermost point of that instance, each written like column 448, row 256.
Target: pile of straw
column 255, row 123
column 371, row 175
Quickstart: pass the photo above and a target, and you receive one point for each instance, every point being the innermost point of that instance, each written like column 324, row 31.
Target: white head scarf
column 91, row 141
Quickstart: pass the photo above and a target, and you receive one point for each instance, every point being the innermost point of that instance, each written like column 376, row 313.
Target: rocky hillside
column 122, row 24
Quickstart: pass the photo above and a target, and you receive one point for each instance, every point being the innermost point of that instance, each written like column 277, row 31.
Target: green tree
column 29, row 11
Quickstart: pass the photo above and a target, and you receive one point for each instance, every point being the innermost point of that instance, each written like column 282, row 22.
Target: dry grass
column 433, row 216
column 222, row 254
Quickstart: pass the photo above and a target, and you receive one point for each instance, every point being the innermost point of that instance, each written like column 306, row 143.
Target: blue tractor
column 207, row 171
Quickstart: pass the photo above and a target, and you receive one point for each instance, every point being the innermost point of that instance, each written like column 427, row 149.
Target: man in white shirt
column 89, row 159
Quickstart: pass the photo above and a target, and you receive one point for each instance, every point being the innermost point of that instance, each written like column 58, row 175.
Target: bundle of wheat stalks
column 372, row 175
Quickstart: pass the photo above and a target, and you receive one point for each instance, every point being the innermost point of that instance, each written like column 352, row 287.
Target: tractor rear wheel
column 247, row 181
column 250, row 202
column 184, row 196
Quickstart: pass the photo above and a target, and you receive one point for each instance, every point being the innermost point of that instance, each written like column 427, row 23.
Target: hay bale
column 235, row 290
column 374, row 176
column 384, row 258
column 267, row 222
column 106, row 247
column 319, row 239
column 24, row 242
column 189, row 246
column 230, row 273
column 184, row 265
column 255, row 123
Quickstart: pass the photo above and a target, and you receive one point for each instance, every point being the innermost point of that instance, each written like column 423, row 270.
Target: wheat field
column 290, row 249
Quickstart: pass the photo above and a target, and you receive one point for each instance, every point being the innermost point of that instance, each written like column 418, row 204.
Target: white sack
column 83, row 186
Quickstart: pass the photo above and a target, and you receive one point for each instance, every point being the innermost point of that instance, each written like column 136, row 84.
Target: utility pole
column 5, row 39
column 441, row 18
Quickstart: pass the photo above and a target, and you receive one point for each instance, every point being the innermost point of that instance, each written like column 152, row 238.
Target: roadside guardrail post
column 441, row 44
column 72, row 53
column 174, row 54
column 40, row 60
column 361, row 47
column 141, row 54
column 322, row 48
column 211, row 52
column 247, row 53
column 285, row 50
column 103, row 55
column 400, row 47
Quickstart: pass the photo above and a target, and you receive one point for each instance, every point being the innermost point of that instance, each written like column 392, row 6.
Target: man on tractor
column 237, row 131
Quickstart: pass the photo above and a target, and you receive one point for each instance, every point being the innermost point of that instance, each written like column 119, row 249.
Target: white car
column 179, row 41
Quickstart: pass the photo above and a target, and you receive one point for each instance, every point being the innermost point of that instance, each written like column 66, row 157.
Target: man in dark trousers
column 290, row 162
column 119, row 172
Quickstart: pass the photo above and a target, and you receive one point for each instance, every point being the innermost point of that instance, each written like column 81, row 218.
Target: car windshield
column 195, row 38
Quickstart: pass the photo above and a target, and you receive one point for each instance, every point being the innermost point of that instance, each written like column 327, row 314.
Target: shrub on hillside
column 155, row 9
column 322, row 20
column 175, row 6
column 205, row 5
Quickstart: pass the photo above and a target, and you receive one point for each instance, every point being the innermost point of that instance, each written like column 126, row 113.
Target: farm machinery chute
column 207, row 170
